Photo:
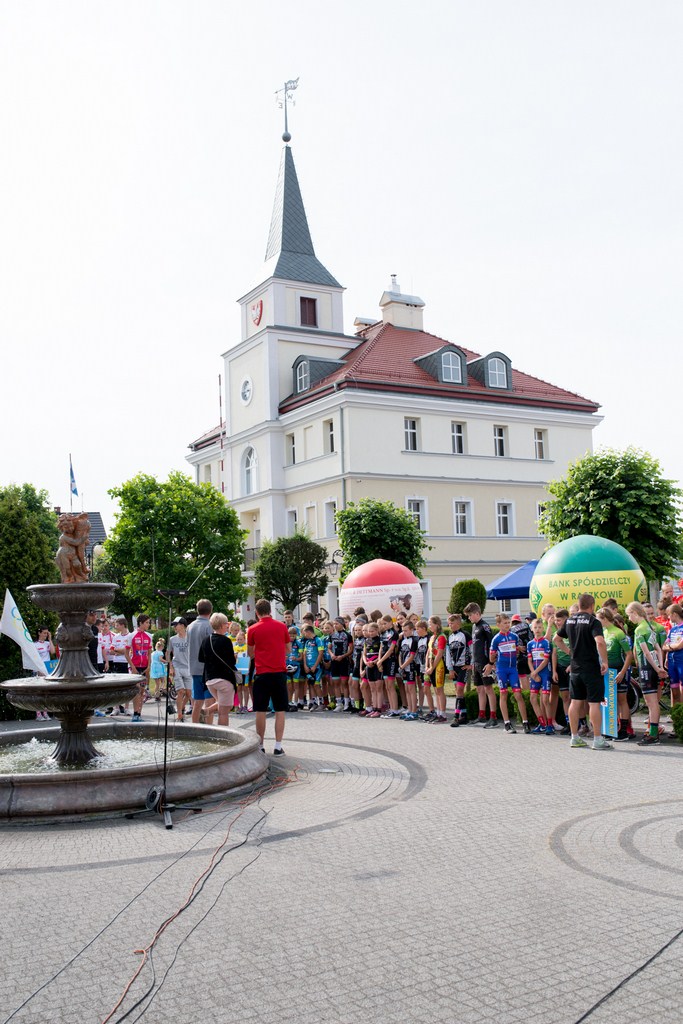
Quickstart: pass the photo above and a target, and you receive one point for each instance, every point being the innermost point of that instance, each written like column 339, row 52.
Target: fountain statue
column 218, row 758
column 75, row 689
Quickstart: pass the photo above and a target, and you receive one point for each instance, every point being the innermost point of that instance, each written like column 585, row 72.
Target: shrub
column 464, row 592
column 677, row 719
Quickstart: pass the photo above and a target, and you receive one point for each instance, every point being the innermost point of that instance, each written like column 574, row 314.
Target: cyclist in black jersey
column 341, row 648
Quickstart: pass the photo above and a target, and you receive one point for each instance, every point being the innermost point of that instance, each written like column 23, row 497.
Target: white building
column 316, row 418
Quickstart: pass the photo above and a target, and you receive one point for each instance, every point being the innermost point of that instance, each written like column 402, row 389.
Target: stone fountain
column 76, row 689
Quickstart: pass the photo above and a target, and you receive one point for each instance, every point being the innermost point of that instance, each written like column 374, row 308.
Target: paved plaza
column 407, row 873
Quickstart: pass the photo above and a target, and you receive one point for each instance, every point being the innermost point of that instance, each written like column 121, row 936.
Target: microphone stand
column 156, row 798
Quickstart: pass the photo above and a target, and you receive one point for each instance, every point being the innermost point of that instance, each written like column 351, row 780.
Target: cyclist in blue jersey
column 504, row 648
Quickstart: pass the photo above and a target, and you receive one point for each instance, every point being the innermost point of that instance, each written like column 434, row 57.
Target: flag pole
column 71, row 490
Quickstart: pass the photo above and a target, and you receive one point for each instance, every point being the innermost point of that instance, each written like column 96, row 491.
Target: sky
column 516, row 164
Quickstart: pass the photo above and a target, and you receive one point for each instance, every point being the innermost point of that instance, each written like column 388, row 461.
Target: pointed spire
column 290, row 239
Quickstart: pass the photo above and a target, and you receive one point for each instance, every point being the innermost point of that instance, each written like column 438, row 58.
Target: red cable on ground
column 145, row 951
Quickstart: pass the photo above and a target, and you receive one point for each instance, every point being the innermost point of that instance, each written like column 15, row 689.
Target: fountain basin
column 72, row 793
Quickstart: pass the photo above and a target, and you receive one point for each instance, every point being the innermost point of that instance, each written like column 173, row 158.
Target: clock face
column 246, row 390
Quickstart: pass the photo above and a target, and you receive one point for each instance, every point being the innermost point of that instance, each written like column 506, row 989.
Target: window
column 250, row 466
column 302, row 377
column 291, row 522
column 311, row 525
column 290, row 449
column 410, row 435
column 309, row 313
column 504, row 519
column 498, row 373
column 539, row 444
column 458, row 438
column 451, row 368
column 207, row 473
column 499, row 442
column 462, row 518
column 328, row 437
column 416, row 508
column 330, row 522
column 506, row 604
column 540, row 508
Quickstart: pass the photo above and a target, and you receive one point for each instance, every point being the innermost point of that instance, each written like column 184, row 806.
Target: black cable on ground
column 125, row 907
column 629, row 977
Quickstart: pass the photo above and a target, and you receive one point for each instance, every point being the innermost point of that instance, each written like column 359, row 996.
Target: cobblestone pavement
column 408, row 873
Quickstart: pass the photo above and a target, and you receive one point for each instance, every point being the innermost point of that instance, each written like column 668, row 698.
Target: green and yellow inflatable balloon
column 586, row 565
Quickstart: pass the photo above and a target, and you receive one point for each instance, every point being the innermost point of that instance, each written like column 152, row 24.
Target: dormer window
column 302, row 377
column 309, row 312
column 451, row 368
column 498, row 373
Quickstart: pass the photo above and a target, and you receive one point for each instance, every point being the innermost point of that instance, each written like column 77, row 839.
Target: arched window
column 498, row 373
column 250, row 468
column 451, row 369
column 302, row 376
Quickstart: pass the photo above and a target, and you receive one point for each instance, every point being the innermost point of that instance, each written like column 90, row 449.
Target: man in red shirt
column 268, row 644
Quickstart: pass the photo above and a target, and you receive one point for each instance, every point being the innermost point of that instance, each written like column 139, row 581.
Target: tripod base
column 156, row 801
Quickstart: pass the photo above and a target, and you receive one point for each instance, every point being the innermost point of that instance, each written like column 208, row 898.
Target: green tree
column 106, row 570
column 624, row 497
column 370, row 529
column 26, row 557
column 166, row 532
column 463, row 593
column 291, row 570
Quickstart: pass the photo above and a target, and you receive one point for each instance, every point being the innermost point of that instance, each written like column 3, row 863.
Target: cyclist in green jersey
column 619, row 657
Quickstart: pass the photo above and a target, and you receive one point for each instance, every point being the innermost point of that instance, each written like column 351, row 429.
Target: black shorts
column 340, row 669
column 460, row 675
column 563, row 676
column 648, row 680
column 372, row 673
column 588, row 686
column 270, row 686
column 390, row 668
column 522, row 665
column 478, row 678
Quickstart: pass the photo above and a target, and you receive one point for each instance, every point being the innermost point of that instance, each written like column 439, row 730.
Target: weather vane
column 284, row 94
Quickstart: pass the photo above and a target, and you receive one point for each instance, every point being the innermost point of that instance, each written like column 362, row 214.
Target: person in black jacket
column 218, row 657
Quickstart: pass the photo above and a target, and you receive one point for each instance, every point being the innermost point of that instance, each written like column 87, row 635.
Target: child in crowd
column 504, row 654
column 341, row 649
column 538, row 655
column 481, row 668
column 313, row 650
column 674, row 650
column 370, row 662
column 619, row 658
column 422, row 633
column 355, row 668
column 649, row 670
column 456, row 656
column 387, row 663
column 327, row 629
column 435, row 669
column 407, row 668
column 239, row 643
column 295, row 688
column 157, row 672
column 560, row 670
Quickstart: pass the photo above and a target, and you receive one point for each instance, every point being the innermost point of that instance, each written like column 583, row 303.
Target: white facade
column 471, row 465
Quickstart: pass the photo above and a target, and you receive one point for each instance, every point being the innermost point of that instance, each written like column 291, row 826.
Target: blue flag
column 74, row 489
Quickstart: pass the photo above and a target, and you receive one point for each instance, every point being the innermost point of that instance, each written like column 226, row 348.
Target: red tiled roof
column 384, row 361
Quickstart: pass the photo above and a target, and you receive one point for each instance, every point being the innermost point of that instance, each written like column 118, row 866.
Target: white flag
column 13, row 626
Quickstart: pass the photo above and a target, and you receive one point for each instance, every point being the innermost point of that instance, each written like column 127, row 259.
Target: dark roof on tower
column 289, row 241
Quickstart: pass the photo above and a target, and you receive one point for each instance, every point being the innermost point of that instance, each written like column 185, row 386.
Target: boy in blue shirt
column 294, row 685
column 312, row 651
column 504, row 654
column 540, row 680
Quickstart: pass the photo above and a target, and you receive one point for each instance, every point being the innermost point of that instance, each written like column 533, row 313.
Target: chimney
column 401, row 310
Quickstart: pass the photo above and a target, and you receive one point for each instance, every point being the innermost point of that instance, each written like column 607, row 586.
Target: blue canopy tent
column 514, row 584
